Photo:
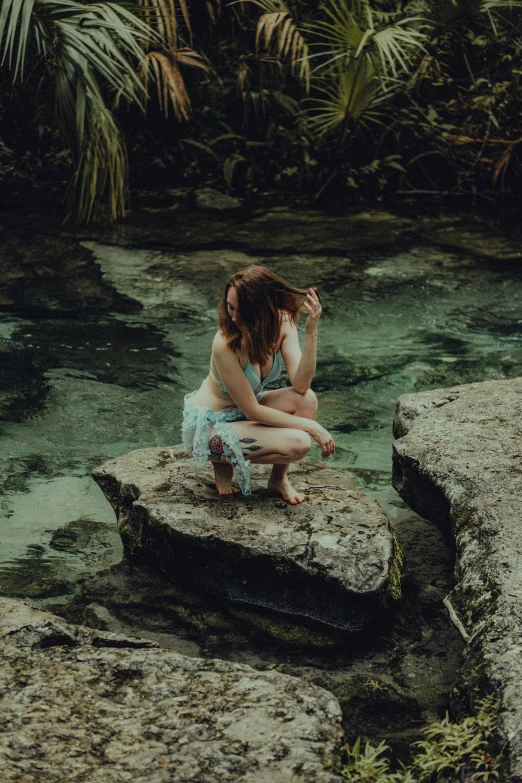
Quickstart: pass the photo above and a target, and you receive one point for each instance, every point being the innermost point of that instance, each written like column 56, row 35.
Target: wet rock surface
column 458, row 460
column 81, row 704
column 215, row 201
column 389, row 680
column 287, row 229
column 332, row 558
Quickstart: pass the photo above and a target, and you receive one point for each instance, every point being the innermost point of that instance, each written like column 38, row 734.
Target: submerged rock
column 332, row 558
column 208, row 198
column 459, row 460
column 88, row 705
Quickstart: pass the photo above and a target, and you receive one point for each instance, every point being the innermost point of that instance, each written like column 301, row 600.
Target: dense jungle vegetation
column 344, row 96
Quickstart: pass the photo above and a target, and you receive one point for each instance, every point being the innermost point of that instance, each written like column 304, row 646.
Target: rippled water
column 78, row 390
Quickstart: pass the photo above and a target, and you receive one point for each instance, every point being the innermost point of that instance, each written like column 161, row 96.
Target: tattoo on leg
column 250, row 448
column 215, row 445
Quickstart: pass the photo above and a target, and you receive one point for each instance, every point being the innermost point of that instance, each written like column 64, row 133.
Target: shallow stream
column 94, row 375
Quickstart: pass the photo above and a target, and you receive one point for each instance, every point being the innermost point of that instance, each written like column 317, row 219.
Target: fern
column 448, row 749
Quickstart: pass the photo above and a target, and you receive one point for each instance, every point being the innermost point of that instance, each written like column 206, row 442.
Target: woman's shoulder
column 287, row 322
column 220, row 343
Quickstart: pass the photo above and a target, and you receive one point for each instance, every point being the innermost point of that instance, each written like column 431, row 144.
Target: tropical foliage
column 348, row 97
column 73, row 57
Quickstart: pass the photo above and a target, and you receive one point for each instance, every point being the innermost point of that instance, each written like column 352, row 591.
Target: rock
column 275, row 230
column 208, row 198
column 44, row 274
column 458, row 461
column 87, row 705
column 473, row 234
column 332, row 559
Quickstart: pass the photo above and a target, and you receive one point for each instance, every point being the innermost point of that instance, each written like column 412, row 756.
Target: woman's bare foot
column 282, row 486
column 223, row 477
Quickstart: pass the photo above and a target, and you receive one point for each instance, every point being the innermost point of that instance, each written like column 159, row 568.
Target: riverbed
column 103, row 332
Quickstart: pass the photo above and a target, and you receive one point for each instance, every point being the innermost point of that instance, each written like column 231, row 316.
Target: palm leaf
column 15, row 21
column 451, row 13
column 349, row 31
column 277, row 27
column 213, row 9
column 349, row 101
column 82, row 46
column 397, row 46
column 102, row 170
column 169, row 81
column 164, row 14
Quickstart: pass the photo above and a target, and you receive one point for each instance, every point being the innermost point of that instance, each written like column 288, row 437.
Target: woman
column 231, row 419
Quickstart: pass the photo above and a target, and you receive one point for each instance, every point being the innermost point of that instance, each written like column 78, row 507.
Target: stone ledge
column 332, row 559
column 85, row 705
column 458, row 460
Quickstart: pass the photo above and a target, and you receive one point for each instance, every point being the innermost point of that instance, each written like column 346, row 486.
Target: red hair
column 263, row 299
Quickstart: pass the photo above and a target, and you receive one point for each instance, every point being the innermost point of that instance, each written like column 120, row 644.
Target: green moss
column 397, row 565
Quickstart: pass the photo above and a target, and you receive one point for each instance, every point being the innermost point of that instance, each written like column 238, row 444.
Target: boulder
column 458, row 461
column 85, row 705
column 332, row 558
column 208, row 198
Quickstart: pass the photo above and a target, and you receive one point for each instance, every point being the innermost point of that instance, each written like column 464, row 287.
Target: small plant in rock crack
column 449, row 751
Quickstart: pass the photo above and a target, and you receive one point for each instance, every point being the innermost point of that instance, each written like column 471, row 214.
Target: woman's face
column 232, row 305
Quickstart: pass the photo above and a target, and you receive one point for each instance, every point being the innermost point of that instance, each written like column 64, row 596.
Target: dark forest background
column 367, row 99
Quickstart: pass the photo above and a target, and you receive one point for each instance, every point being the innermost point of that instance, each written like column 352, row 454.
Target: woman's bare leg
column 304, row 405
column 223, row 470
column 261, row 445
column 270, row 452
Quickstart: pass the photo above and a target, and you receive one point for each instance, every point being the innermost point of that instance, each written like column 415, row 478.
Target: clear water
column 79, row 390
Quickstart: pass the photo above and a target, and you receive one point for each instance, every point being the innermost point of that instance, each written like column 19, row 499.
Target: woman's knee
column 298, row 444
column 307, row 404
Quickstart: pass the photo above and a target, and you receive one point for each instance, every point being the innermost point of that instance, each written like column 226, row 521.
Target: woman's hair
column 263, row 299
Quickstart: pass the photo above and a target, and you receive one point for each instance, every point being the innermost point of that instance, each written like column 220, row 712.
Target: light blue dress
column 197, row 421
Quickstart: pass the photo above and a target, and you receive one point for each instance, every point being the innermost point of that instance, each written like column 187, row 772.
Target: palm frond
column 453, row 13
column 213, row 9
column 396, row 46
column 349, row 100
column 169, row 81
column 349, row 31
column 277, row 28
column 15, row 25
column 101, row 174
column 81, row 47
column 165, row 20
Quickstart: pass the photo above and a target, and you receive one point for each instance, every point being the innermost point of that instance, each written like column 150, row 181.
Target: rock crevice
column 458, row 460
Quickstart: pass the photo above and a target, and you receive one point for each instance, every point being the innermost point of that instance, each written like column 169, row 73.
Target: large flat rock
column 84, row 705
column 332, row 558
column 458, row 459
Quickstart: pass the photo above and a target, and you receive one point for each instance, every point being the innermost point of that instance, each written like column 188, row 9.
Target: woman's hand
column 312, row 305
column 323, row 438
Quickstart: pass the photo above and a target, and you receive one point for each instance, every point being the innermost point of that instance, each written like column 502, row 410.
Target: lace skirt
column 197, row 421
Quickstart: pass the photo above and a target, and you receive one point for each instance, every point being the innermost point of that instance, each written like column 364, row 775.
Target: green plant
column 449, row 750
column 451, row 747
column 78, row 54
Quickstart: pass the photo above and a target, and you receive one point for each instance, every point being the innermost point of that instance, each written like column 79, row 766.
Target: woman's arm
column 241, row 392
column 301, row 366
